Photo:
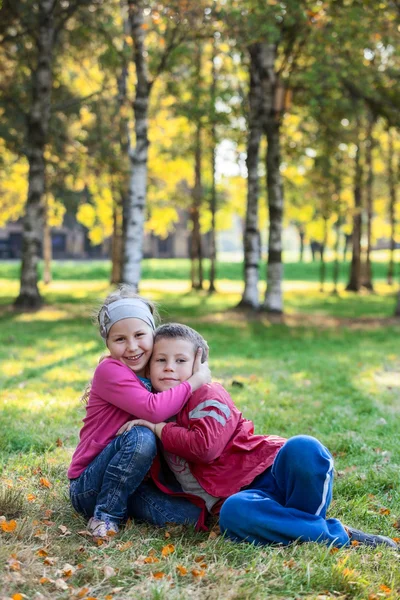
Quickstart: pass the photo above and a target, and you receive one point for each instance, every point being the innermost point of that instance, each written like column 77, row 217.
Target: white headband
column 126, row 308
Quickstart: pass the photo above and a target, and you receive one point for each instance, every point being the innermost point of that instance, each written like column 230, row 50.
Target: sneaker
column 368, row 539
column 102, row 529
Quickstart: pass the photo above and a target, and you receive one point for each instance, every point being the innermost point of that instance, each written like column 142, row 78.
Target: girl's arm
column 114, row 382
column 211, row 426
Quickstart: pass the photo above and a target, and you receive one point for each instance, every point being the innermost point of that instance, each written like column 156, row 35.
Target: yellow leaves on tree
column 13, row 185
column 97, row 216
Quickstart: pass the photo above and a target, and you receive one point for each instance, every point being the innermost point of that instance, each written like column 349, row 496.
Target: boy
column 266, row 489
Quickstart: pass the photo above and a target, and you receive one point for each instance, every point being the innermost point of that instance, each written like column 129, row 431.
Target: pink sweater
column 117, row 396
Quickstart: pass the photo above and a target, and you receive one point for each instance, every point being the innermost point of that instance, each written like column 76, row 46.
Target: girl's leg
column 150, row 504
column 290, row 502
column 103, row 489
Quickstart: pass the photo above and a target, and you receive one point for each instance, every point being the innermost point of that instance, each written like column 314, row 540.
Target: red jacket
column 223, row 453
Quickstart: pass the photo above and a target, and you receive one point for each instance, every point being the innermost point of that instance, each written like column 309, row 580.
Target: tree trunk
column 355, row 268
column 213, row 199
column 273, row 295
column 366, row 268
column 196, row 246
column 251, row 236
column 392, row 206
column 116, row 242
column 47, row 248
column 336, row 264
column 301, row 236
column 322, row 267
column 36, row 139
column 397, row 311
column 138, row 154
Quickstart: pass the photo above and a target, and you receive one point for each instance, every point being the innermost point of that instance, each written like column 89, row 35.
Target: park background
column 139, row 129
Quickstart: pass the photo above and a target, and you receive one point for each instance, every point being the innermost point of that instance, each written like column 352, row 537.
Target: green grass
column 331, row 369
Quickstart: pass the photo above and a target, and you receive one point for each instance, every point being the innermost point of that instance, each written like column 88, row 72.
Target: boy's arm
column 211, row 426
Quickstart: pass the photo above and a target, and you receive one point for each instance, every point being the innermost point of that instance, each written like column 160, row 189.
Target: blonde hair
column 123, row 291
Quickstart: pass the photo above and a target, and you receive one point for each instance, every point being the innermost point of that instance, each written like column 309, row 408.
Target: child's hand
column 129, row 424
column 156, row 428
column 201, row 372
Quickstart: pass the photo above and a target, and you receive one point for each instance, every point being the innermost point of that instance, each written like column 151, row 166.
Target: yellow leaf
column 158, row 575
column 8, row 526
column 82, row 592
column 385, row 589
column 17, row 597
column 168, row 549
column 44, row 580
column 42, row 552
column 198, row 572
column 31, row 497
column 181, row 570
column 151, row 559
column 125, row 546
column 44, row 482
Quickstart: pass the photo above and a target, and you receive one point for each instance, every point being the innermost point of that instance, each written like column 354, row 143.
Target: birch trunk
column 273, row 296
column 47, row 248
column 196, row 246
column 355, row 267
column 138, row 154
column 392, row 206
column 251, row 236
column 366, row 267
column 213, row 199
column 37, row 132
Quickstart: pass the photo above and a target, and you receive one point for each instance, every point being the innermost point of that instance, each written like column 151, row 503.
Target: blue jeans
column 287, row 502
column 104, row 487
column 152, row 505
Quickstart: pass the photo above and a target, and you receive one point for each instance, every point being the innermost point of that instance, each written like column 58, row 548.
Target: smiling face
column 131, row 342
column 171, row 363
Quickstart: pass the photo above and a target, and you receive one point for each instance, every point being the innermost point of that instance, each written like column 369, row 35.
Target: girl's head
column 127, row 323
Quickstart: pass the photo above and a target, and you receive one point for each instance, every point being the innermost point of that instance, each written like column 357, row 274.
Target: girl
column 105, row 471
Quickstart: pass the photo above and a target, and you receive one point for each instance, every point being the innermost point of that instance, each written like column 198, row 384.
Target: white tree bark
column 138, row 153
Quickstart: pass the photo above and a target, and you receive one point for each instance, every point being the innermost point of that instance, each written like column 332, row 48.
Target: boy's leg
column 290, row 502
column 102, row 490
column 151, row 505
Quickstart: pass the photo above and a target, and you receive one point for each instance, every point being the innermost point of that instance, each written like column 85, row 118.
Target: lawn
column 331, row 369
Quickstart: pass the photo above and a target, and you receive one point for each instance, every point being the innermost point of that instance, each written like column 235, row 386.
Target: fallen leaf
column 199, row 559
column 355, row 543
column 17, row 597
column 385, row 589
column 44, row 580
column 212, row 535
column 158, row 575
column 9, row 526
column 108, row 597
column 198, row 572
column 82, row 592
column 151, row 559
column 45, row 482
column 60, row 584
column 125, row 546
column 290, row 564
column 64, row 530
column 42, row 552
column 384, row 511
column 167, row 535
column 13, row 563
column 50, row 561
column 168, row 549
column 31, row 497
column 396, row 539
column 59, row 442
column 181, row 570
column 108, row 572
column 68, row 570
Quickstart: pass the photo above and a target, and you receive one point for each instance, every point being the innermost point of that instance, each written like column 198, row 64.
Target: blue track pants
column 287, row 502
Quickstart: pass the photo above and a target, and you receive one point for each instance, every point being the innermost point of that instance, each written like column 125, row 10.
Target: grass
column 330, row 369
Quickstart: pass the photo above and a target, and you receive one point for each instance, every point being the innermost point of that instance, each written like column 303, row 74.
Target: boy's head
column 174, row 351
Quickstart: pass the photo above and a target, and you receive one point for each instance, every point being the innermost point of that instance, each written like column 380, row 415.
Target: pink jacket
column 117, row 396
column 211, row 434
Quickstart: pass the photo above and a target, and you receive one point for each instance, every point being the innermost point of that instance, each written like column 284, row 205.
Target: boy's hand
column 201, row 372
